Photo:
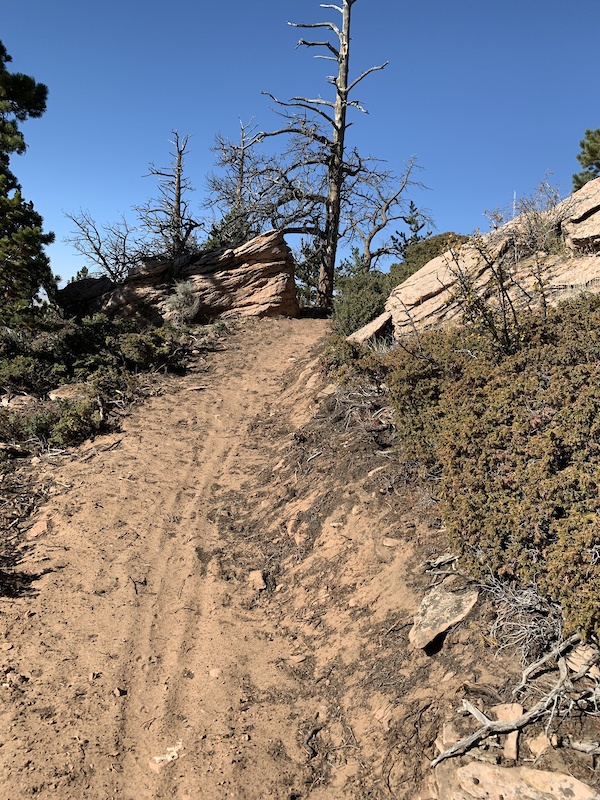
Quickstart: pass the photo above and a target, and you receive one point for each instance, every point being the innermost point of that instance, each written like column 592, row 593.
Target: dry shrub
column 517, row 439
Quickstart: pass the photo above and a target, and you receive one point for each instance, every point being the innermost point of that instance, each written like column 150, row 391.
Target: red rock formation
column 255, row 279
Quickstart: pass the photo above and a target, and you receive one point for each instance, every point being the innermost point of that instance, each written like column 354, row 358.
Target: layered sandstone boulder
column 546, row 256
column 255, row 279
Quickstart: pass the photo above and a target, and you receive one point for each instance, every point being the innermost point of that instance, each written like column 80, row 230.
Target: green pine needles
column 589, row 158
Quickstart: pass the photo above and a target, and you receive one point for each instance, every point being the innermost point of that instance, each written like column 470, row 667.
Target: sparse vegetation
column 361, row 293
column 102, row 356
column 511, row 441
column 183, row 303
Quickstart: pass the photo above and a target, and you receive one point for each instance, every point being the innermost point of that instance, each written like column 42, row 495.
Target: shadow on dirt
column 18, row 584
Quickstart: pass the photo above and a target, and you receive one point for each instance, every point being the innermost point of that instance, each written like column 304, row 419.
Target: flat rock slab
column 505, row 712
column 429, row 297
column 440, row 610
column 477, row 781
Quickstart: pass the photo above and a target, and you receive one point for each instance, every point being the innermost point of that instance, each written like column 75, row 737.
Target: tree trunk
column 336, row 167
column 176, row 220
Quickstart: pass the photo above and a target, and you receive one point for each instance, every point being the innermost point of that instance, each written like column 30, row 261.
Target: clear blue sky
column 488, row 96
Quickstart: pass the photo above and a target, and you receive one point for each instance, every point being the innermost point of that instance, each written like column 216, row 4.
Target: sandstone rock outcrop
column 78, row 297
column 477, row 781
column 428, row 298
column 256, row 279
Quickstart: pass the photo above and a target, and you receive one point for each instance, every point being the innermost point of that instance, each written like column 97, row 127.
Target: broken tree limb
column 574, row 639
column 495, row 728
column 591, row 748
column 475, row 712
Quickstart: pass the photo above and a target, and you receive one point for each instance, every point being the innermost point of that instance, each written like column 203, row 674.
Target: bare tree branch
column 329, row 25
column 328, row 45
column 364, row 75
column 113, row 249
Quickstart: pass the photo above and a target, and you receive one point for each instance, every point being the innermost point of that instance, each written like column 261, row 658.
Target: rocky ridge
column 255, row 279
column 430, row 297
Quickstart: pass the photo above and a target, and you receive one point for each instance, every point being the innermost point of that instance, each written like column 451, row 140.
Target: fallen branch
column 14, row 450
column 591, row 748
column 475, row 712
column 558, row 651
column 494, row 728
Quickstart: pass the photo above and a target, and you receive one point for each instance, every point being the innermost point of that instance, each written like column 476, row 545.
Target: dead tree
column 164, row 228
column 166, row 220
column 234, row 191
column 113, row 249
column 316, row 186
column 323, row 124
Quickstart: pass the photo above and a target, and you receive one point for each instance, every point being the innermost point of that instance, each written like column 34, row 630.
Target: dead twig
column 312, row 751
column 555, row 653
column 400, row 623
column 493, row 728
column 138, row 583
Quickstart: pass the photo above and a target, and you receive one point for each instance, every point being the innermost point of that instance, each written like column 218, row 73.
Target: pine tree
column 589, row 158
column 24, row 266
column 233, row 230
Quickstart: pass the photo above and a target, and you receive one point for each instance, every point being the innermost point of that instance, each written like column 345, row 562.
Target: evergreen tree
column 360, row 293
column 233, row 230
column 24, row 266
column 589, row 158
column 308, row 264
column 421, row 251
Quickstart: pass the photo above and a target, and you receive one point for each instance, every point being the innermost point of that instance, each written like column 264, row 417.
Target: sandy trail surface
column 138, row 667
column 215, row 602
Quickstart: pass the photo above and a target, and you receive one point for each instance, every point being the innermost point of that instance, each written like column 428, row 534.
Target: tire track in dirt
column 110, row 662
column 143, row 637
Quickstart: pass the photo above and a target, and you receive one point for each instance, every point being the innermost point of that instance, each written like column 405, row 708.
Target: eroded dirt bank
column 223, row 600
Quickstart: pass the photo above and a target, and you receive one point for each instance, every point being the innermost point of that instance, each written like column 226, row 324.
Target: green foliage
column 308, row 266
column 102, row 356
column 359, row 299
column 60, row 423
column 351, row 363
column 589, row 158
column 81, row 275
column 341, row 359
column 515, row 438
column 20, row 98
column 24, row 267
column 184, row 303
column 415, row 221
column 36, row 361
column 361, row 294
column 421, row 252
column 30, row 374
column 233, row 230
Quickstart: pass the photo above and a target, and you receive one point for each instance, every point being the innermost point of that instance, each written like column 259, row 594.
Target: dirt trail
column 132, row 644
column 216, row 601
